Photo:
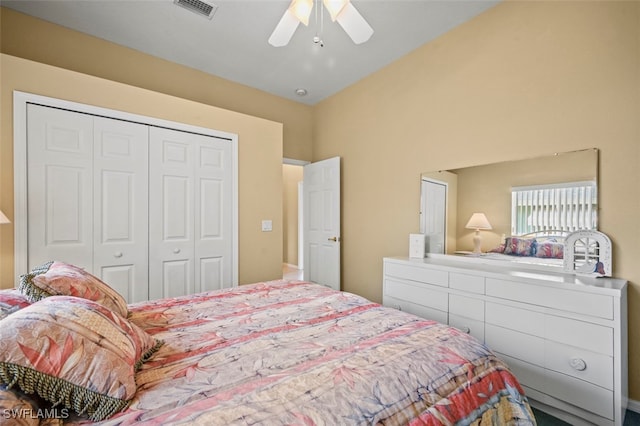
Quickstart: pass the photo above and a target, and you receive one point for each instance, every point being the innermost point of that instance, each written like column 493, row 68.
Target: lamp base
column 476, row 243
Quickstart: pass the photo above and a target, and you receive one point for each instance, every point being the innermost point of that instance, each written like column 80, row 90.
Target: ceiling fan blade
column 284, row 30
column 354, row 24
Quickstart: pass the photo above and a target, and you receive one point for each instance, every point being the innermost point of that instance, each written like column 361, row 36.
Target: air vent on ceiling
column 198, row 6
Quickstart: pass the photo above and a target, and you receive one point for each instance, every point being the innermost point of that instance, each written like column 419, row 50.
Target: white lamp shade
column 478, row 221
column 3, row 218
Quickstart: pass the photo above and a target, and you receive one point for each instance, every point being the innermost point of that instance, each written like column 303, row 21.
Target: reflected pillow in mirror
column 517, row 246
column 499, row 249
column 550, row 249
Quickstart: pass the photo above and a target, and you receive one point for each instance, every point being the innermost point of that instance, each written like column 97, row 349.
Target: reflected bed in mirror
column 541, row 199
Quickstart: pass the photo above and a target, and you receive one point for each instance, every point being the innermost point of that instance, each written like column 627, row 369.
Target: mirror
column 450, row 197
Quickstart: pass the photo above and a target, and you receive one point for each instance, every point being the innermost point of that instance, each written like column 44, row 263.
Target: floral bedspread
column 296, row 353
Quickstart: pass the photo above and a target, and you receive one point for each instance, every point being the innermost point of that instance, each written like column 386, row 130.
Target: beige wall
column 291, row 176
column 259, row 146
column 522, row 79
column 487, row 189
column 30, row 38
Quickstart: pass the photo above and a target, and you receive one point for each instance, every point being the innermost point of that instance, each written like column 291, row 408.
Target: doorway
column 292, row 247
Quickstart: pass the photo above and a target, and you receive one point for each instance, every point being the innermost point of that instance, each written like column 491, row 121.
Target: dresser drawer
column 419, row 310
column 517, row 319
column 466, row 307
column 529, row 375
column 518, row 345
column 466, row 282
column 417, row 273
column 592, row 337
column 467, row 325
column 597, row 305
column 579, row 393
column 417, row 294
column 579, row 363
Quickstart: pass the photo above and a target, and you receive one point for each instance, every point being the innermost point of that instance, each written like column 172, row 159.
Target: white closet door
column 213, row 214
column 59, row 175
column 190, row 249
column 120, row 206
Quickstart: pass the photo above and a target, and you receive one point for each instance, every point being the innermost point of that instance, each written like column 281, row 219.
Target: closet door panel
column 171, row 209
column 59, row 176
column 213, row 242
column 121, row 206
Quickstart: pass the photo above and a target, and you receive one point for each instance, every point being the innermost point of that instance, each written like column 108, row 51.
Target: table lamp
column 478, row 221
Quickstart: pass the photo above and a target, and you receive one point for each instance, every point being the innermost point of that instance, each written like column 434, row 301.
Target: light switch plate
column 267, row 226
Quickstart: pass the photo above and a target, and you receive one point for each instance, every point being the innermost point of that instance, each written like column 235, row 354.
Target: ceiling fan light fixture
column 301, row 9
column 335, row 7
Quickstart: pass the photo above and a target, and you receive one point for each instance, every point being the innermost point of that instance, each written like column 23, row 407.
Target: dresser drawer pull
column 578, row 364
column 465, row 329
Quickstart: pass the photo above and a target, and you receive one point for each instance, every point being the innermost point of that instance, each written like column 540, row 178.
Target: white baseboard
column 634, row 406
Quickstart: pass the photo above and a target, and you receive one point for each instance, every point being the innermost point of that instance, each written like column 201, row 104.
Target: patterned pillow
column 61, row 279
column 74, row 353
column 498, row 249
column 516, row 246
column 550, row 250
column 12, row 300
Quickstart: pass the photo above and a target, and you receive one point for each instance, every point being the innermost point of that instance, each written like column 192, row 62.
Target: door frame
column 20, row 102
column 423, row 204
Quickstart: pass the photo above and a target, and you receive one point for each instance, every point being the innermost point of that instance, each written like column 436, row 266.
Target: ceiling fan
column 342, row 11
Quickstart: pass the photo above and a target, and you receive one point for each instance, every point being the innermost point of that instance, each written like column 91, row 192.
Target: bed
column 278, row 352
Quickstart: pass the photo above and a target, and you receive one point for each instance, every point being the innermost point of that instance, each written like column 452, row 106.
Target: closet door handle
column 117, row 254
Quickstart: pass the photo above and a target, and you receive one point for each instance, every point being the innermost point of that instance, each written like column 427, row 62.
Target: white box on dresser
column 564, row 336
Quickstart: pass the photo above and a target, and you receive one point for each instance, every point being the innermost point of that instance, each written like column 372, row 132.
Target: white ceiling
column 233, row 45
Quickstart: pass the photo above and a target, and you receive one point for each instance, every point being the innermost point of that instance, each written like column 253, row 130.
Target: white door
column 87, row 196
column 321, row 211
column 120, row 206
column 190, row 213
column 59, row 175
column 433, row 212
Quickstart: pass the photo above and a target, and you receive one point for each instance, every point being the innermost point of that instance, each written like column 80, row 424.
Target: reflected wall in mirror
column 450, row 197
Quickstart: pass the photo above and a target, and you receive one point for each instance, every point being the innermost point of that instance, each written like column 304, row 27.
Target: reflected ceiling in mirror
column 450, row 197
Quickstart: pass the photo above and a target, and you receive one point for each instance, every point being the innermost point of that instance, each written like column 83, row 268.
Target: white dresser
column 564, row 336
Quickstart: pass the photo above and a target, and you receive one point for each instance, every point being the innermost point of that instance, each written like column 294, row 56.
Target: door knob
column 334, row 239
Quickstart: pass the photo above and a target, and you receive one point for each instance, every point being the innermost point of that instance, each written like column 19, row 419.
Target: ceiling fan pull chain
column 318, row 38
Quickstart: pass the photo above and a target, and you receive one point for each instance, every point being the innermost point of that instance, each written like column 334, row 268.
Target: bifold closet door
column 59, row 182
column 120, row 206
column 87, row 196
column 190, row 209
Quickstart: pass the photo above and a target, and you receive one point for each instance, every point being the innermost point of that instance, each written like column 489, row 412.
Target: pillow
column 550, row 249
column 74, row 353
column 499, row 249
column 12, row 300
column 516, row 246
column 59, row 278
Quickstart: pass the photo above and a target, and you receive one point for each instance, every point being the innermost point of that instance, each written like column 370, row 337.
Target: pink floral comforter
column 295, row 353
